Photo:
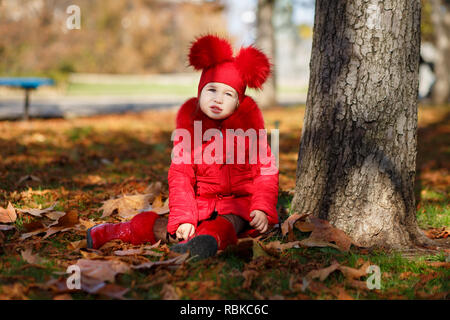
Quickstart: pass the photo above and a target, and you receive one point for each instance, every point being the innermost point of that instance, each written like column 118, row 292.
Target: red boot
column 136, row 231
column 210, row 236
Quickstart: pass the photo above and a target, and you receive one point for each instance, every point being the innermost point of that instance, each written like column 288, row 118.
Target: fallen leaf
column 87, row 223
column 322, row 274
column 16, row 291
column 311, row 242
column 168, row 292
column 324, row 234
column 5, row 227
column 341, row 294
column 64, row 223
column 178, row 260
column 64, row 296
column 29, row 257
column 55, row 215
column 127, row 206
column 352, row 273
column 438, row 264
column 249, row 276
column 103, row 270
column 290, row 221
column 75, row 245
column 154, row 188
column 27, row 178
column 277, row 246
column 8, row 215
column 357, row 284
column 437, row 233
column 113, row 290
column 258, row 250
column 37, row 212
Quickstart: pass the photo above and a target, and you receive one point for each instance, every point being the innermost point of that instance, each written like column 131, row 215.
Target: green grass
column 75, row 89
column 432, row 215
column 127, row 88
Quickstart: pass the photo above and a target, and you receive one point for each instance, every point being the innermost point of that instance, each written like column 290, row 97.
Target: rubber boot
column 136, row 231
column 210, row 236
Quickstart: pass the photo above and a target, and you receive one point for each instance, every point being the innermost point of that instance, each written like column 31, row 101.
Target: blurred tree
column 266, row 41
column 440, row 17
column 356, row 162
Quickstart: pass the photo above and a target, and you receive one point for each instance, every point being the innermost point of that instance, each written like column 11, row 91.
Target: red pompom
column 254, row 66
column 209, row 50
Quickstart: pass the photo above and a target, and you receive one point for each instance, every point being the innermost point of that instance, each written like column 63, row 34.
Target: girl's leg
column 143, row 227
column 210, row 236
column 238, row 223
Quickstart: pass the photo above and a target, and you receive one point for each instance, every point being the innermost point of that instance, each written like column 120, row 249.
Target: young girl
column 213, row 201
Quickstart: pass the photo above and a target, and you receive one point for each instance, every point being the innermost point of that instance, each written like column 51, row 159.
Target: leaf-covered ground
column 56, row 174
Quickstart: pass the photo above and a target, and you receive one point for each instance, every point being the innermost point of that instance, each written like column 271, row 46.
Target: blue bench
column 27, row 84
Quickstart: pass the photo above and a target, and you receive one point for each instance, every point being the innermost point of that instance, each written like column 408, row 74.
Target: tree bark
column 441, row 23
column 357, row 156
column 265, row 40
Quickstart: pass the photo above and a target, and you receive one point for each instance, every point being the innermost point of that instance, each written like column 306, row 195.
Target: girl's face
column 218, row 100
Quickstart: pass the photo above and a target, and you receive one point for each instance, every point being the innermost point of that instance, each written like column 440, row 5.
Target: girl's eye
column 212, row 90
column 229, row 94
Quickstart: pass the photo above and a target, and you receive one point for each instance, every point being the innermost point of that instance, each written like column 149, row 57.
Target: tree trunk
column 357, row 156
column 265, row 40
column 441, row 23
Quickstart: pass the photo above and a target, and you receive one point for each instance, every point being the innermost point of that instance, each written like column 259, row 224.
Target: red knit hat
column 214, row 56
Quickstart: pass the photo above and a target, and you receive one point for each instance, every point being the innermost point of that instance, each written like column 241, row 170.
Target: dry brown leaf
column 75, row 245
column 103, row 270
column 258, row 250
column 290, row 221
column 178, row 260
column 64, row 223
column 113, row 290
column 304, row 226
column 127, row 206
column 249, row 276
column 5, row 227
column 324, row 234
column 29, row 257
column 87, row 223
column 26, row 178
column 55, row 215
column 322, row 274
column 16, row 291
column 438, row 264
column 341, row 294
column 311, row 242
column 352, row 273
column 8, row 215
column 154, row 188
column 357, row 284
column 91, row 253
column 159, row 207
column 37, row 212
column 169, row 292
column 277, row 246
column 64, row 296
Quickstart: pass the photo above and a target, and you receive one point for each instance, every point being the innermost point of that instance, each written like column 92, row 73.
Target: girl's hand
column 184, row 231
column 259, row 221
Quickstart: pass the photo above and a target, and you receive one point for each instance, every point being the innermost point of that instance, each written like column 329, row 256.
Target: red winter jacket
column 197, row 190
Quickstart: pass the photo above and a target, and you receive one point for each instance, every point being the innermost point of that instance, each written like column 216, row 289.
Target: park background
column 103, row 130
